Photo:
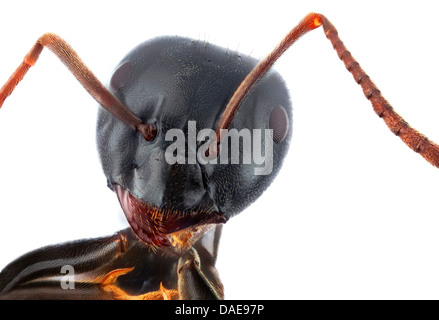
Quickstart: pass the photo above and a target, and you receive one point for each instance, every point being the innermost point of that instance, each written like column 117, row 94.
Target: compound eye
column 120, row 76
column 279, row 123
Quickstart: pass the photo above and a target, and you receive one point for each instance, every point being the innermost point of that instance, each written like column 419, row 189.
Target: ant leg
column 88, row 80
column 48, row 272
column 193, row 283
column 113, row 267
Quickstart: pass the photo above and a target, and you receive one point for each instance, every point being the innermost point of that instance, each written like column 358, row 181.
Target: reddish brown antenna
column 310, row 22
column 88, row 80
column 411, row 137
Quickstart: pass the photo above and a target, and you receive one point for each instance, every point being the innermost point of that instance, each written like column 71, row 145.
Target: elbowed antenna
column 310, row 22
column 88, row 80
column 411, row 137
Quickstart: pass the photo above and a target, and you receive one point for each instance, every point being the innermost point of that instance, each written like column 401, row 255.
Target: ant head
column 165, row 89
column 182, row 87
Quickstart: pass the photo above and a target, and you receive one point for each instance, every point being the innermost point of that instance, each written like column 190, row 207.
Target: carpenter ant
column 176, row 196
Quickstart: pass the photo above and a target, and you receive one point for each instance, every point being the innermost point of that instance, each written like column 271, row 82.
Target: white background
column 353, row 213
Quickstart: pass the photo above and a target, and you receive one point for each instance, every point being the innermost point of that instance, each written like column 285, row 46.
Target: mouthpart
column 166, row 228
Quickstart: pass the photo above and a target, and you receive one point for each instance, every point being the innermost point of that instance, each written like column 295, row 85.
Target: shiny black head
column 183, row 86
